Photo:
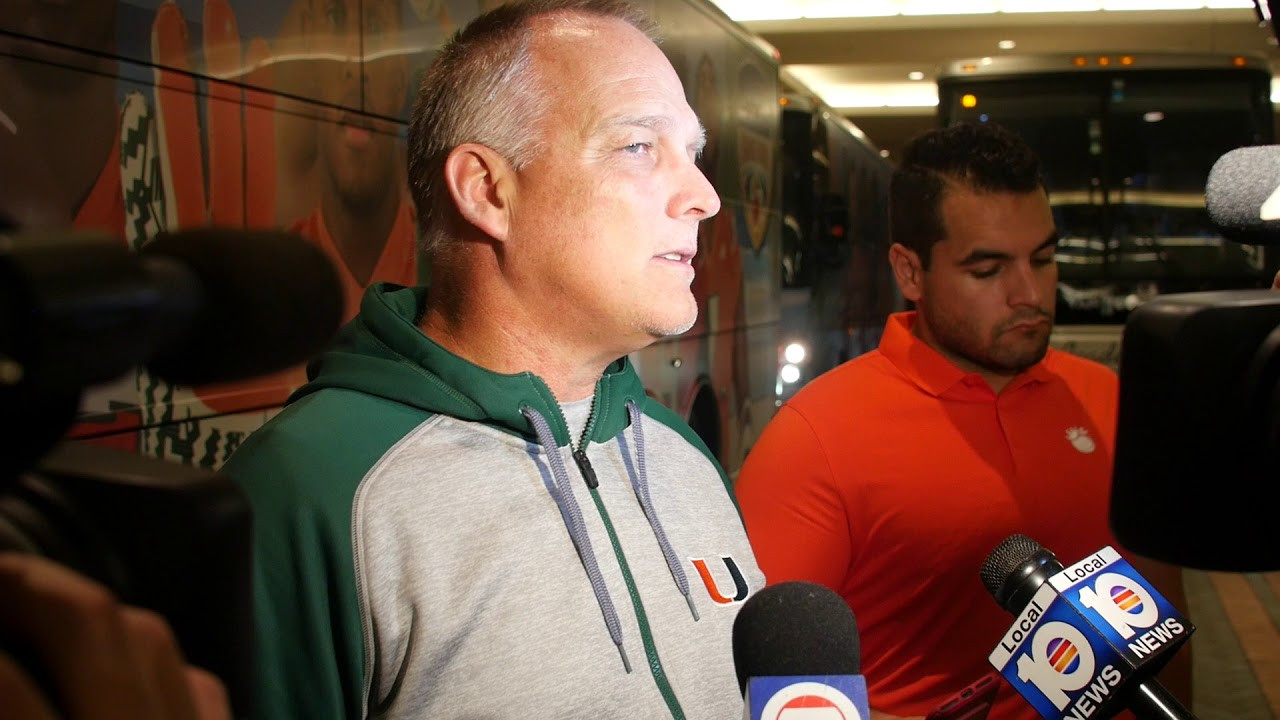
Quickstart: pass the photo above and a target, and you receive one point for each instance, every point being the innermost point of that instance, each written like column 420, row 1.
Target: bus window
column 1126, row 151
column 1161, row 229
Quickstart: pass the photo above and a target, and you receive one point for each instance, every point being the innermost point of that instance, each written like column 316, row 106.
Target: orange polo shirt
column 892, row 477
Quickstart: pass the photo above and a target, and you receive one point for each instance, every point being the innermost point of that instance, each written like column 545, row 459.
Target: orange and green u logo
column 713, row 589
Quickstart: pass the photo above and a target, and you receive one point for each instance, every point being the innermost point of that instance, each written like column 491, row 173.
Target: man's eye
column 985, row 273
column 1042, row 261
column 638, row 148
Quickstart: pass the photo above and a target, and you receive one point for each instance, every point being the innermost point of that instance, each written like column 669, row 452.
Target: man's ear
column 480, row 181
column 907, row 270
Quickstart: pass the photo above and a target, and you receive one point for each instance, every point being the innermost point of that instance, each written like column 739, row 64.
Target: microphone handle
column 1152, row 701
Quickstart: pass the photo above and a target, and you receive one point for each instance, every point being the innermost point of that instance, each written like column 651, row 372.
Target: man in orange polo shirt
column 892, row 477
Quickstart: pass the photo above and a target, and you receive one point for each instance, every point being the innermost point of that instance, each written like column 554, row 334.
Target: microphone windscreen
column 270, row 300
column 1016, row 569
column 1238, row 195
column 1005, row 559
column 795, row 628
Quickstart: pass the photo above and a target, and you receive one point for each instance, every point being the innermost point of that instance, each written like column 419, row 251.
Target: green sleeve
column 309, row 634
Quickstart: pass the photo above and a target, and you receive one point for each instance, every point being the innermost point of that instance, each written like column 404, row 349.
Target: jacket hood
column 382, row 352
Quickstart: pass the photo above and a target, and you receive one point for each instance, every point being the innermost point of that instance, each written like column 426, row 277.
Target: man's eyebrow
column 980, row 255
column 1050, row 241
column 653, row 122
column 700, row 142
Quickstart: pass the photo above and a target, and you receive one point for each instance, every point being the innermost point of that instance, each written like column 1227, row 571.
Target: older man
column 473, row 509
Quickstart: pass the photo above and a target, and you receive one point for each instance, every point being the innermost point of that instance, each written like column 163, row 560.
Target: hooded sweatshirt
column 435, row 540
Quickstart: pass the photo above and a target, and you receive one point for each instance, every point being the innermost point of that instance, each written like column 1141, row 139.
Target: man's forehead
column 1008, row 223
column 566, row 27
column 664, row 121
column 626, row 82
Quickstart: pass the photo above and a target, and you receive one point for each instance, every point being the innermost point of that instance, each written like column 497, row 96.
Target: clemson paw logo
column 1080, row 440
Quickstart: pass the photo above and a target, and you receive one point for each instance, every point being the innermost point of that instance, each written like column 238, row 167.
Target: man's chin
column 667, row 331
column 1025, row 361
column 670, row 327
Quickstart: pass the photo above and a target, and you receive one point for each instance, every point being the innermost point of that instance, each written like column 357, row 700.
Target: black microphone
column 1242, row 195
column 194, row 307
column 795, row 647
column 1087, row 638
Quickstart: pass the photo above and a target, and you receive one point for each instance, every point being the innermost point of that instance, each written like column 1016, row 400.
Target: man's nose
column 1024, row 285
column 695, row 196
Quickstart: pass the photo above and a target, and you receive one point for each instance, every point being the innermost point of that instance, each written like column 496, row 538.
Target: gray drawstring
column 562, row 492
column 640, row 483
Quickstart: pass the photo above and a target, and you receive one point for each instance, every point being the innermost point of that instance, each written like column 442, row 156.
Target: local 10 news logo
column 1084, row 634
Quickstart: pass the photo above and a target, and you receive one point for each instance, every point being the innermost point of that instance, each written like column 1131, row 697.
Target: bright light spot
column 790, row 373
column 794, row 353
column 907, row 94
column 1154, row 116
column 748, row 10
column 915, row 75
column 1006, row 44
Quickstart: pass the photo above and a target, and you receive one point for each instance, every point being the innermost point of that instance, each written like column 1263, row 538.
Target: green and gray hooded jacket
column 434, row 540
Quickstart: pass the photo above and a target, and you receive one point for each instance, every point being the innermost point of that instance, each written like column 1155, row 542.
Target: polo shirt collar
column 934, row 373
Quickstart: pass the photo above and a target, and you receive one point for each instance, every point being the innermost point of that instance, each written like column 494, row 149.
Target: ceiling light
column 1006, row 44
column 877, row 95
column 749, row 10
column 1042, row 6
column 915, row 75
column 949, row 7
column 835, row 8
column 1152, row 4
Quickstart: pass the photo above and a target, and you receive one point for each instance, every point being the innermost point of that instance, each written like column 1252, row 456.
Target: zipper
column 646, row 634
column 584, row 466
column 579, row 453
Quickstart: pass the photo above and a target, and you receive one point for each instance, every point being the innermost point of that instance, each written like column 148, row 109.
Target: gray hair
column 482, row 88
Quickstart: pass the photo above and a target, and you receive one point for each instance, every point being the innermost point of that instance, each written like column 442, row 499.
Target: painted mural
column 133, row 117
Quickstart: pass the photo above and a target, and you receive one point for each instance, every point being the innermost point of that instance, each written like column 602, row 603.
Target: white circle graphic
column 810, row 701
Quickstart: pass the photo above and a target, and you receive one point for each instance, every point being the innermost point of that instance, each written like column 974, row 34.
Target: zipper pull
column 584, row 465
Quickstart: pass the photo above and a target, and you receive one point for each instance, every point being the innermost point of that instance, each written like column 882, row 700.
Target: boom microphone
column 796, row 652
column 1087, row 639
column 1242, row 195
column 194, row 307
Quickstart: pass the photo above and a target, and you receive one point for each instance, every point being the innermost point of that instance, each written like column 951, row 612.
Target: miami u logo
column 740, row 589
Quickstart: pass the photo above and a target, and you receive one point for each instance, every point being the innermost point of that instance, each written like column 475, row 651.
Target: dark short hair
column 984, row 158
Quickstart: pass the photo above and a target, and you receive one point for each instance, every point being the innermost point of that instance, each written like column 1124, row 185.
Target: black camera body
column 170, row 538
column 192, row 307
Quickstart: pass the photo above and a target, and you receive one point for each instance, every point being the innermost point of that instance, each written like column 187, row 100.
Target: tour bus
column 128, row 118
column 1127, row 142
column 838, row 288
